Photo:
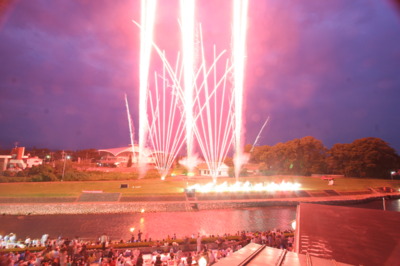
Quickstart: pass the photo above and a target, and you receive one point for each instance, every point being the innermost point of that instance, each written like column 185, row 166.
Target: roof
column 260, row 255
column 251, row 166
column 205, row 166
column 118, row 151
column 240, row 256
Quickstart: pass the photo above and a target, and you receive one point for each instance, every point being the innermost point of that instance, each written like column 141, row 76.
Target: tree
column 130, row 163
column 5, row 151
column 41, row 153
column 310, row 156
column 41, row 173
column 229, row 161
column 366, row 157
column 337, row 158
column 87, row 155
column 259, row 154
column 299, row 156
column 248, row 148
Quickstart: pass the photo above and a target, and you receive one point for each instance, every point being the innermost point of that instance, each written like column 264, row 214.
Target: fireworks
column 244, row 187
column 193, row 102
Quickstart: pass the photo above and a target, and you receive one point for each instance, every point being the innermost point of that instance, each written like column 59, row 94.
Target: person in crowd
column 139, row 261
column 189, row 259
column 158, row 261
column 139, row 236
column 62, row 252
column 199, row 243
column 104, row 240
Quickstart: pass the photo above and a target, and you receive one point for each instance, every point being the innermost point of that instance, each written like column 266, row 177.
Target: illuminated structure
column 17, row 160
column 204, row 170
column 122, row 155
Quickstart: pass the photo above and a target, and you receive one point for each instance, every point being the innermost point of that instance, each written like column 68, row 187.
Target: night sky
column 328, row 69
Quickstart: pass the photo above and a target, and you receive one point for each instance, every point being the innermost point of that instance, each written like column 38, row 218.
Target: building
column 251, row 169
column 204, row 170
column 33, row 161
column 18, row 161
column 120, row 157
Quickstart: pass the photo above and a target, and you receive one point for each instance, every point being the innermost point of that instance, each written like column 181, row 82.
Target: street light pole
column 65, row 161
column 63, row 172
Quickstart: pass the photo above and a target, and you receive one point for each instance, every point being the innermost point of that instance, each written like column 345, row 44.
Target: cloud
column 314, row 67
column 323, row 68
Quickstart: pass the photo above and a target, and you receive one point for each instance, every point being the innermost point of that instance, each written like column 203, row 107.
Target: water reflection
column 159, row 225
column 153, row 225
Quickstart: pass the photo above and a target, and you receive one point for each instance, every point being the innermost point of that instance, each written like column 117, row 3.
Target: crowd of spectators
column 66, row 252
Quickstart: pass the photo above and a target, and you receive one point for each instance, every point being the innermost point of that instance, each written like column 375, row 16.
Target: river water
column 160, row 225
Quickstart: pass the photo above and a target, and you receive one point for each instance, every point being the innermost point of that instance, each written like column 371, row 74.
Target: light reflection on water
column 154, row 225
column 160, row 225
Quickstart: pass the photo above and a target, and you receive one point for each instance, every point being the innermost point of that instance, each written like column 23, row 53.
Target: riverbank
column 39, row 208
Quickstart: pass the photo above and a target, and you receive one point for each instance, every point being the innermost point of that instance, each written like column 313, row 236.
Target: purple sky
column 328, row 69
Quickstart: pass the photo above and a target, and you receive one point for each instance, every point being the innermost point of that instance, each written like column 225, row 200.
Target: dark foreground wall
column 350, row 235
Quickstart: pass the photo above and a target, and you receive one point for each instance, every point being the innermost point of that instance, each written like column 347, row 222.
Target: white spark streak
column 259, row 133
column 187, row 16
column 131, row 129
column 239, row 43
column 148, row 11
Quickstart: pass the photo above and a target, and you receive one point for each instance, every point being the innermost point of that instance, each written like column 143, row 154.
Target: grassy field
column 173, row 186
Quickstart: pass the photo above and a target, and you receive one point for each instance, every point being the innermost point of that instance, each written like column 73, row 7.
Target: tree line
column 366, row 157
column 86, row 155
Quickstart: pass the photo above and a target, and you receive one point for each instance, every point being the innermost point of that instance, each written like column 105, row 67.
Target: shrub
column 9, row 173
column 152, row 173
column 10, row 179
column 76, row 176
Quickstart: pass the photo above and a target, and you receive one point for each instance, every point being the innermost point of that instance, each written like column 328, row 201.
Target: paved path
column 45, row 208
